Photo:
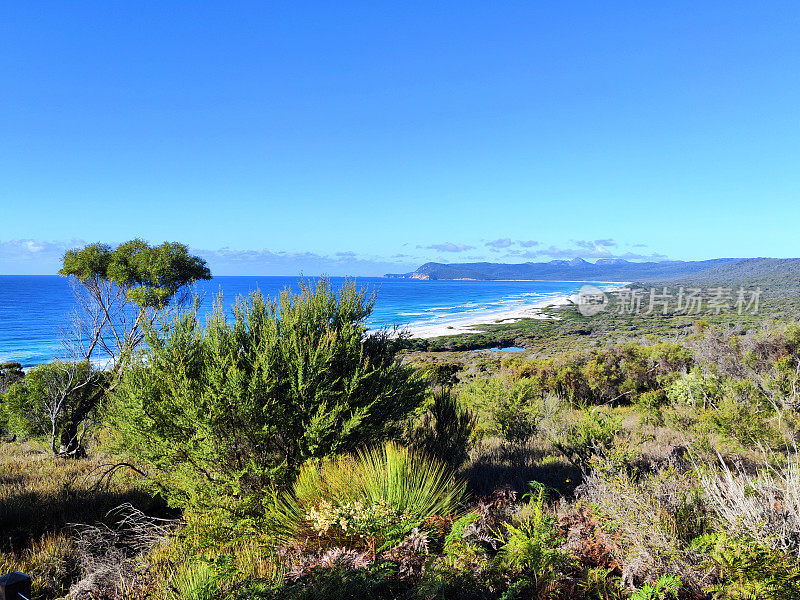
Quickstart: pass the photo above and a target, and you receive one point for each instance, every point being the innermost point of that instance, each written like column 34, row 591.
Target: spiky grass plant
column 370, row 499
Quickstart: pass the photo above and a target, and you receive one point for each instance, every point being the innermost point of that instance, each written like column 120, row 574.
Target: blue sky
column 367, row 137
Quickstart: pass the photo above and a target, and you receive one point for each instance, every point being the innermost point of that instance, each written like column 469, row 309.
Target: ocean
column 34, row 310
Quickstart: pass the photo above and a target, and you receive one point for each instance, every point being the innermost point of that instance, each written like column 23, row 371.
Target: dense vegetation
column 283, row 451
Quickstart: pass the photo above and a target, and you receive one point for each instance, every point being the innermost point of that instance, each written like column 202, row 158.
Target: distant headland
column 606, row 269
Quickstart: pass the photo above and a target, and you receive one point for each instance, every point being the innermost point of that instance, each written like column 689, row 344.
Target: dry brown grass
column 42, row 499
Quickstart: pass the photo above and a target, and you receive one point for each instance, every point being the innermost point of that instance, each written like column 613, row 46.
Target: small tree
column 53, row 399
column 10, row 373
column 445, row 430
column 121, row 292
column 225, row 414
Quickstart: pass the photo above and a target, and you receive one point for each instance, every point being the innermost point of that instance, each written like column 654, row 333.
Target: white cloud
column 449, row 247
column 500, row 243
column 227, row 261
column 33, row 257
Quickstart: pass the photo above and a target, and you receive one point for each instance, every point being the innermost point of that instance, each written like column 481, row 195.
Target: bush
column 336, row 582
column 58, row 401
column 695, row 389
column 446, row 429
column 605, row 375
column 751, row 570
column 593, row 434
column 372, row 499
column 653, row 519
column 225, row 415
column 532, row 546
column 512, row 408
column 52, row 562
column 450, row 578
column 764, row 507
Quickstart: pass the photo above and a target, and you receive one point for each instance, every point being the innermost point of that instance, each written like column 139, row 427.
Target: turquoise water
column 34, row 309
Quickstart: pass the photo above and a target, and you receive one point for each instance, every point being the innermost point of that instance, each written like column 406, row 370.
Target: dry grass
column 654, row 518
column 41, row 500
column 40, row 494
column 764, row 507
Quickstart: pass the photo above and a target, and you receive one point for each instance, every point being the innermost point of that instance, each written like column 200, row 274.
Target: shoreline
column 472, row 324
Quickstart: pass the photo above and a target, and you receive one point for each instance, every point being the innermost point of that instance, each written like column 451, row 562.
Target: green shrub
column 653, row 518
column 764, row 507
column 455, row 543
column 604, row 375
column 533, row 545
column 593, row 434
column 56, row 400
column 338, row 582
column 737, row 419
column 10, row 373
column 695, row 388
column 371, row 499
column 751, row 570
column 665, row 587
column 446, row 429
column 460, row 578
column 510, row 408
column 650, row 404
column 221, row 416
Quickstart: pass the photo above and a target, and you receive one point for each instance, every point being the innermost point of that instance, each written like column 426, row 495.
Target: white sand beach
column 473, row 323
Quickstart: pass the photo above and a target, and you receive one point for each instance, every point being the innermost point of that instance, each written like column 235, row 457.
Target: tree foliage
column 121, row 292
column 123, row 289
column 10, row 373
column 232, row 410
column 55, row 400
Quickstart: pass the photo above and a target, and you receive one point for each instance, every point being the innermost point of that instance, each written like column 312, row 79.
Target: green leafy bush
column 739, row 419
column 511, row 408
column 58, row 401
column 533, row 545
column 604, row 375
column 665, row 587
column 751, row 570
column 446, row 429
column 593, row 434
column 224, row 415
column 695, row 388
column 337, row 582
column 371, row 499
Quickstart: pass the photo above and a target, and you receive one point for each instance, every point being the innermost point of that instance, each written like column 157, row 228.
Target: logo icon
column 590, row 300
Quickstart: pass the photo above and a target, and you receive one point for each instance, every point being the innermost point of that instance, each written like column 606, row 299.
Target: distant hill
column 577, row 269
column 769, row 273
